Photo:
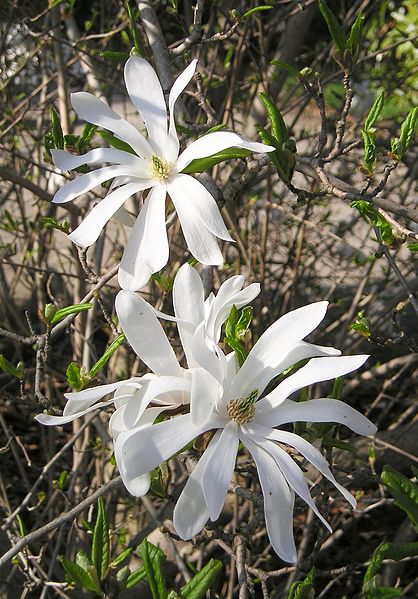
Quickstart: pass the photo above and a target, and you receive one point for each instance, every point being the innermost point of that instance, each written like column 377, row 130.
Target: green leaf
column 8, row 368
column 244, row 322
column 202, row 164
column 374, row 111
column 303, row 589
column 136, row 577
column 407, row 131
column 287, row 67
column 85, row 137
column 101, row 542
column 404, row 492
column 240, row 351
column 21, row 525
column 57, row 133
column 361, row 325
column 122, row 576
column 133, row 17
column 74, row 309
column 80, row 577
column 201, row 582
column 116, row 343
column 83, row 560
column 369, row 150
column 153, row 557
column 335, row 29
column 116, row 57
column 354, row 38
column 278, row 126
column 75, row 376
column 51, row 223
column 371, row 588
column 113, row 141
column 413, row 247
column 256, row 9
column 122, row 556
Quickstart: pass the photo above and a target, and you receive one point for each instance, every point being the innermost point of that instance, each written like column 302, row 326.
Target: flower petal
column 138, row 486
column 191, row 513
column 319, row 410
column 201, row 202
column 273, row 351
column 145, row 91
column 86, row 182
column 147, row 248
column 315, row 371
column 145, row 334
column 67, row 161
column 309, row 452
column 145, row 448
column 218, row 472
column 278, row 502
column 188, row 295
column 216, row 142
column 171, row 150
column 50, row 420
column 200, row 241
column 94, row 111
column 91, row 227
column 118, row 421
column 205, row 393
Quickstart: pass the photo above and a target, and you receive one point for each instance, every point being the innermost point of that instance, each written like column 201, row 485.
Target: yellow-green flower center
column 242, row 409
column 160, row 168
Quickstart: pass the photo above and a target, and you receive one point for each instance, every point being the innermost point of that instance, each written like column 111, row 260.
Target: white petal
column 205, row 357
column 204, row 395
column 191, row 513
column 118, row 420
column 86, row 182
column 278, row 502
column 172, row 145
column 50, row 420
column 93, row 110
column 67, row 161
column 270, row 355
column 313, row 455
column 315, row 371
column 200, row 241
column 145, row 448
column 138, row 486
column 294, row 476
column 80, row 400
column 212, row 143
column 90, row 228
column 146, row 93
column 147, row 248
column 145, row 334
column 200, row 202
column 319, row 410
column 188, row 295
column 219, row 470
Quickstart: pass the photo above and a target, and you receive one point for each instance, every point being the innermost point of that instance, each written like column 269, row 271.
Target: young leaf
column 116, row 343
column 404, row 492
column 361, row 325
column 354, row 38
column 407, row 131
column 78, row 576
column 303, row 589
column 57, row 133
column 256, row 9
column 101, row 542
column 83, row 560
column 75, row 377
column 21, row 525
column 113, row 141
column 374, row 111
column 85, row 137
column 8, row 368
column 371, row 588
column 278, row 126
column 119, row 559
column 369, row 150
column 134, row 29
column 203, row 164
column 153, row 557
column 201, row 582
column 335, row 29
column 74, row 309
column 135, row 577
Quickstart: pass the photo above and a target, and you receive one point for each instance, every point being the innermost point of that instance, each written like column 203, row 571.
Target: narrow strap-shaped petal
column 138, row 486
column 67, row 161
column 205, row 393
column 171, row 150
column 50, row 420
column 145, row 91
column 86, row 182
column 188, row 295
column 318, row 410
column 147, row 249
column 218, row 472
column 309, row 452
column 216, row 142
column 201, row 202
column 200, row 241
column 278, row 502
column 145, row 448
column 191, row 513
column 145, row 334
column 315, row 371
column 269, row 354
column 94, row 111
column 119, row 421
column 90, row 228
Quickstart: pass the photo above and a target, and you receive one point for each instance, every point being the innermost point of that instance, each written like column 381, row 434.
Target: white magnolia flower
column 239, row 415
column 157, row 166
